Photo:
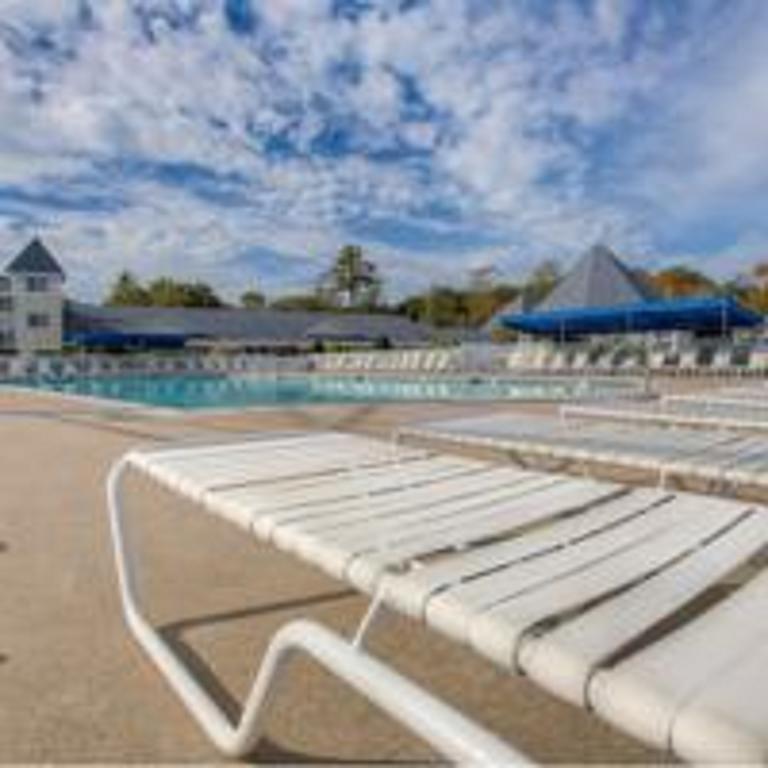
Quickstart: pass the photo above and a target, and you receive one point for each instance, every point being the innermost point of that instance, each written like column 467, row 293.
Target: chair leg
column 448, row 731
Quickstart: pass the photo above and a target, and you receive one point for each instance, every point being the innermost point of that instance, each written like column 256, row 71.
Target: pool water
column 237, row 391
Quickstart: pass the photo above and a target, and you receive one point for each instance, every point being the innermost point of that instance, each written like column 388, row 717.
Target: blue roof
column 709, row 314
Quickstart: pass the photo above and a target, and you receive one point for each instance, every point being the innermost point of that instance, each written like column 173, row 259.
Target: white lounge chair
column 726, row 460
column 758, row 362
column 572, row 581
column 737, row 417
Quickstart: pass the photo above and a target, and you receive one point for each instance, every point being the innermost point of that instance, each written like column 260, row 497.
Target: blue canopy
column 128, row 340
column 705, row 315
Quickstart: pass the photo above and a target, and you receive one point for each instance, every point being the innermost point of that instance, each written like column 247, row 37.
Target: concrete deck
column 74, row 686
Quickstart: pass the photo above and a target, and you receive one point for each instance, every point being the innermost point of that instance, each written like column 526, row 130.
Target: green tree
column 485, row 295
column 252, row 299
column 200, row 294
column 445, row 306
column 167, row 292
column 542, row 281
column 127, row 291
column 352, row 281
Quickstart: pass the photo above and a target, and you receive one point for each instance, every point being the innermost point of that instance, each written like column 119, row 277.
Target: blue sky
column 243, row 141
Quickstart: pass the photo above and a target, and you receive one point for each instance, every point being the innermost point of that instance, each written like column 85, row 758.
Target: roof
column 366, row 328
column 267, row 326
column 35, row 259
column 598, row 279
column 710, row 314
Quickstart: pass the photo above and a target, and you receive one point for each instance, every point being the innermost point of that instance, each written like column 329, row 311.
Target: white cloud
column 516, row 118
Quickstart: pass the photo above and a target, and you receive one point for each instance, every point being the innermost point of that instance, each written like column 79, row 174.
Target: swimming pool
column 197, row 392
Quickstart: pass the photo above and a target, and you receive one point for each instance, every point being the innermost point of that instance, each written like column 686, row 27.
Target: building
column 32, row 301
column 91, row 326
column 36, row 317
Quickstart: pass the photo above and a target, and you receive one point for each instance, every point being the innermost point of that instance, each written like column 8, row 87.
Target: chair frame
column 444, row 728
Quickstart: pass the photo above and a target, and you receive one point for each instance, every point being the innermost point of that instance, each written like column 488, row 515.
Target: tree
column 482, row 278
column 752, row 289
column 485, row 296
column 678, row 281
column 352, row 281
column 252, row 299
column 542, row 281
column 200, row 295
column 127, row 291
column 445, row 306
column 167, row 292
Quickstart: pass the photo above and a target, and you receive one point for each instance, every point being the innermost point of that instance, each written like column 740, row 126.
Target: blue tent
column 702, row 315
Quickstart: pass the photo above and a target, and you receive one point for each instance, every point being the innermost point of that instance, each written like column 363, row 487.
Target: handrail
column 437, row 723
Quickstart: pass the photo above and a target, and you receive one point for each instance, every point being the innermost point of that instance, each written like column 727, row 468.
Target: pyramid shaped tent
column 598, row 279
column 601, row 295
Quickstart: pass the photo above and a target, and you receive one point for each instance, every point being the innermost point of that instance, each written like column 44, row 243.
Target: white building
column 32, row 301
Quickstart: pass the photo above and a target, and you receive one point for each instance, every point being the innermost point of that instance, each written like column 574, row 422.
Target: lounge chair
column 574, row 582
column 559, row 362
column 675, row 413
column 689, row 362
column 443, row 361
column 729, row 399
column 725, row 460
column 516, row 360
column 758, row 362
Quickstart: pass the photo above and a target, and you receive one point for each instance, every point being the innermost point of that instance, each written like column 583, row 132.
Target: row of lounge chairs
column 408, row 361
column 745, row 411
column 611, row 597
column 72, row 366
column 725, row 360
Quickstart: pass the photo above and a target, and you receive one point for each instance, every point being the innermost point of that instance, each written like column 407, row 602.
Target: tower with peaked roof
column 32, row 301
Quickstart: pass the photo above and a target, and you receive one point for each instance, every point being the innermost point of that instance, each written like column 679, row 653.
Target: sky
column 242, row 142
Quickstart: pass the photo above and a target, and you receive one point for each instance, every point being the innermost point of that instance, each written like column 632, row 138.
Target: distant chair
column 689, row 362
column 558, row 361
column 758, row 361
column 580, row 362
column 723, row 360
column 516, row 359
column 603, row 361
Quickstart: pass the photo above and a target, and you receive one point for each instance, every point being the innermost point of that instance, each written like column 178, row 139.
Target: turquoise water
column 229, row 392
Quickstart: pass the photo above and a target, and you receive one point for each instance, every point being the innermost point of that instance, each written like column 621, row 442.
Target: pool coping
column 170, row 412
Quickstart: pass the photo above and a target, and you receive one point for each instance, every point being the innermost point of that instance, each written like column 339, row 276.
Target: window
column 38, row 320
column 5, row 284
column 6, row 303
column 6, row 339
column 37, row 283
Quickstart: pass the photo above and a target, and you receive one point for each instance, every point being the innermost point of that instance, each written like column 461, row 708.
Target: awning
column 705, row 315
column 128, row 340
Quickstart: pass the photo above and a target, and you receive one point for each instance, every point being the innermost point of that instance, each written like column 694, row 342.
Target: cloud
column 223, row 138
